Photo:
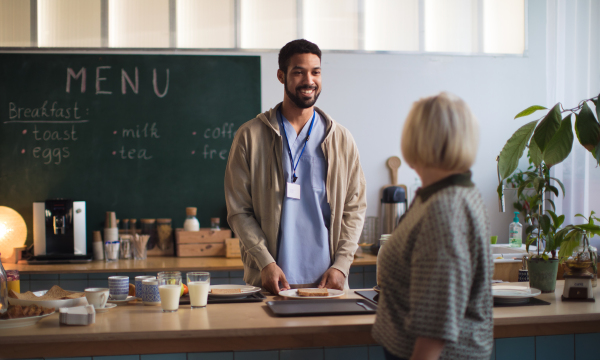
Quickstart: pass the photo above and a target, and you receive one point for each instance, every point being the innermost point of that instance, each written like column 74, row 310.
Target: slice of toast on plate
column 313, row 292
column 225, row 291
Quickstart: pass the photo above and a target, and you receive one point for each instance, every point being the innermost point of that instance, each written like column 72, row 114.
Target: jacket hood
column 269, row 118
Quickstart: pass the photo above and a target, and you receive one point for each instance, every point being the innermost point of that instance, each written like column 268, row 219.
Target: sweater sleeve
column 440, row 274
column 240, row 214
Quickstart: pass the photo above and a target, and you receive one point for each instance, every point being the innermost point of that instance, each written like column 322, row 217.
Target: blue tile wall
column 370, row 280
column 74, row 285
column 118, row 357
column 72, row 358
column 586, row 346
column 556, row 347
column 73, row 276
column 301, row 354
column 237, row 281
column 256, row 355
column 376, row 352
column 36, row 285
column 211, row 356
column 522, row 348
column 43, row 277
column 347, row 353
column 182, row 356
column 355, row 281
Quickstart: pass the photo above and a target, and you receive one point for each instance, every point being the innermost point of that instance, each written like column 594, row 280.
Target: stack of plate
column 79, row 315
column 513, row 294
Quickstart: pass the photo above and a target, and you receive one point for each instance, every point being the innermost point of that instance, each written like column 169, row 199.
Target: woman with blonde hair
column 435, row 272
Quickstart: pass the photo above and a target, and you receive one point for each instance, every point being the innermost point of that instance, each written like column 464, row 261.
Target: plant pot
column 542, row 274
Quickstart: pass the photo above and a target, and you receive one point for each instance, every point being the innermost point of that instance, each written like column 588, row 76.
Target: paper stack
column 79, row 315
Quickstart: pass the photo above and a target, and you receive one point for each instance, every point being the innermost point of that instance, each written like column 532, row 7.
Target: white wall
column 371, row 94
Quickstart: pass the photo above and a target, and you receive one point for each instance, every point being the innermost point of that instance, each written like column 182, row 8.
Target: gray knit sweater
column 435, row 274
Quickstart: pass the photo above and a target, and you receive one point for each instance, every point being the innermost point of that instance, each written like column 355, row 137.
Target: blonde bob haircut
column 440, row 132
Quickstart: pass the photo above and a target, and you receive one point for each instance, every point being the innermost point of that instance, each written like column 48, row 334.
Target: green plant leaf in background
column 596, row 153
column 513, row 149
column 587, row 128
column 545, row 223
column 535, row 155
column 562, row 187
column 559, row 147
column 547, row 128
column 530, row 110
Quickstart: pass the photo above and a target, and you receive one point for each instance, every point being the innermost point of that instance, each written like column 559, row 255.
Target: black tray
column 531, row 302
column 322, row 307
column 370, row 295
column 256, row 297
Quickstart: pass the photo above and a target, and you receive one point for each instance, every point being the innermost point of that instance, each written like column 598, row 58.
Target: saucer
column 121, row 302
column 105, row 308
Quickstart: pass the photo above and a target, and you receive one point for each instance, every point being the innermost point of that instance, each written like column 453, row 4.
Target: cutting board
column 393, row 164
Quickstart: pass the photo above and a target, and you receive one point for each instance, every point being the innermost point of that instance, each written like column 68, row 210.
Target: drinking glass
column 169, row 288
column 198, row 284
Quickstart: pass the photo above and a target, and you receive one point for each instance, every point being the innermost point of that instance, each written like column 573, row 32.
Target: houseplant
column 544, row 267
column 550, row 141
column 576, row 249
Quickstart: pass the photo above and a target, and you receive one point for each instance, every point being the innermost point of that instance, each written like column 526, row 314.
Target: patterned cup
column 119, row 287
column 523, row 275
column 138, row 285
column 150, row 294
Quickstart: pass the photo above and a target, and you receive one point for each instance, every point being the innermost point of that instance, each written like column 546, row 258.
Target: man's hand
column 333, row 279
column 271, row 275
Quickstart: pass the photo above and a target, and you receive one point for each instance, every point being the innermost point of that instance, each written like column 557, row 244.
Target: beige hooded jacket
column 255, row 188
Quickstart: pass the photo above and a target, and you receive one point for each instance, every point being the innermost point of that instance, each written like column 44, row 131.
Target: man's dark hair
column 294, row 47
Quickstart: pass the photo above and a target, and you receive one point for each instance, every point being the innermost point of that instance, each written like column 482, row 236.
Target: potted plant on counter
column 550, row 141
column 576, row 249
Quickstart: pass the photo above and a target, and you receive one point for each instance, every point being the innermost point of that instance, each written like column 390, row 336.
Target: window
column 440, row 26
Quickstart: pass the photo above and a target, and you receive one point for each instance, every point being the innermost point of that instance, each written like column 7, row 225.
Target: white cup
column 97, row 297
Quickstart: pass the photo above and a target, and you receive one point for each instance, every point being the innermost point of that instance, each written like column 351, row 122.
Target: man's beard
column 301, row 103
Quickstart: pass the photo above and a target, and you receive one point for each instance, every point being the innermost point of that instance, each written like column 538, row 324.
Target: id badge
column 293, row 190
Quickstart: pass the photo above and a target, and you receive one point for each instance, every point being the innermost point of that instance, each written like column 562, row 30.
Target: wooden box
column 205, row 242
column 232, row 248
column 206, row 249
column 202, row 236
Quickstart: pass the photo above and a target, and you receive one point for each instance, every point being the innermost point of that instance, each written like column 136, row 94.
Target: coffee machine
column 59, row 230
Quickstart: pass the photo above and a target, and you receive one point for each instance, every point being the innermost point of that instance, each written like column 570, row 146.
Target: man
column 294, row 187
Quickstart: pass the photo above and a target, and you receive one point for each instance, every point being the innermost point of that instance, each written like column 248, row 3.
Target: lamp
column 13, row 232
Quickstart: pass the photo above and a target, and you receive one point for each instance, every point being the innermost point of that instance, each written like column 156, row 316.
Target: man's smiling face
column 303, row 80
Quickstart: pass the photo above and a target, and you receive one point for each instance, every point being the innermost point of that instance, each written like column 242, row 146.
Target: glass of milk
column 169, row 288
column 198, row 285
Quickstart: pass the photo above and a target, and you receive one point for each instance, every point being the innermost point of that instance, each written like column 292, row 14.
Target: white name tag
column 293, row 190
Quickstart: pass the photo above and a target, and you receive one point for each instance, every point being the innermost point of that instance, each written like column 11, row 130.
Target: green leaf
column 513, row 149
column 549, row 243
column 545, row 257
column 547, row 128
column 554, row 217
column 559, row 147
column 596, row 153
column 499, row 190
column 561, row 219
column 529, row 229
column 567, row 247
column 530, row 110
column 562, row 187
column 535, row 155
column 551, row 203
column 587, row 128
column 553, row 189
column 545, row 223
column 588, row 227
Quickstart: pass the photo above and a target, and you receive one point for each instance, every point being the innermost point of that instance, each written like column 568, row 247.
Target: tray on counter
column 322, row 307
column 370, row 295
column 256, row 297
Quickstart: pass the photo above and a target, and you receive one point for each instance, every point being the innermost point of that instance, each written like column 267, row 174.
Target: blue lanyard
column 294, row 177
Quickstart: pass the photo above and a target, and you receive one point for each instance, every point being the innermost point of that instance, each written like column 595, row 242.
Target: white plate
column 293, row 294
column 121, row 302
column 514, row 292
column 49, row 303
column 245, row 291
column 21, row 322
column 105, row 308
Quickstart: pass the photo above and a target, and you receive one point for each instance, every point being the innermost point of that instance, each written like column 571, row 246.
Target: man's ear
column 281, row 76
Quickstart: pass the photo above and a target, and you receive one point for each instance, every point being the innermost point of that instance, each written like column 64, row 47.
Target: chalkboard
column 142, row 135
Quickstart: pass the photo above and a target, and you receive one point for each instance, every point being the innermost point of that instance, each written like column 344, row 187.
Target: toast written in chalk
column 313, row 292
column 225, row 291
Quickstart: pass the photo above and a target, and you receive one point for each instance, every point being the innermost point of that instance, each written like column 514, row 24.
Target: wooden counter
column 138, row 329
column 153, row 264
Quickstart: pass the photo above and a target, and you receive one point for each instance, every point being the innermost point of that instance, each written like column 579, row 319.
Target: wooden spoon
column 393, row 164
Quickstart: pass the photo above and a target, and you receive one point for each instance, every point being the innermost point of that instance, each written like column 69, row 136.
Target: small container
column 148, row 227
column 3, row 289
column 98, row 246
column 164, row 233
column 125, row 224
column 214, row 224
column 125, row 248
column 132, row 226
column 191, row 223
column 111, row 251
column 14, row 280
column 384, row 238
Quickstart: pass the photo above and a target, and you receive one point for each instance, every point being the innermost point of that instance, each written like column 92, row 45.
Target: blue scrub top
column 303, row 251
